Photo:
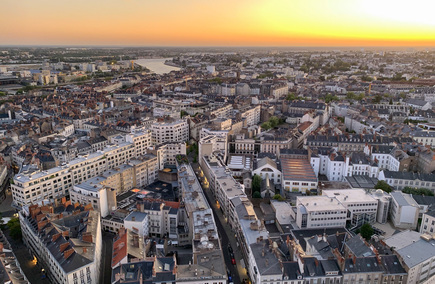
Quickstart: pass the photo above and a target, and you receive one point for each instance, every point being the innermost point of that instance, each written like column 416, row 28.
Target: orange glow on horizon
column 223, row 23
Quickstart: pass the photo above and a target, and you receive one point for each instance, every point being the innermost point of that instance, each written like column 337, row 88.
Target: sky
column 218, row 23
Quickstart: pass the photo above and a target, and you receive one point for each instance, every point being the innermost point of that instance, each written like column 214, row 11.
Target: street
column 226, row 234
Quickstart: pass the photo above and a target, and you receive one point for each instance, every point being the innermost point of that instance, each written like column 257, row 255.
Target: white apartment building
column 361, row 206
column 94, row 192
column 146, row 169
column 170, row 131
column 426, row 138
column 320, row 212
column 69, row 247
column 252, row 115
column 162, row 219
column 383, row 156
column 33, row 185
column 140, row 140
column 211, row 144
column 222, row 112
column 137, row 222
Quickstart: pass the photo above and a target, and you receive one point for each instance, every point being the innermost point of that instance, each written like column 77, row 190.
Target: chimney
column 354, row 259
column 133, row 218
column 42, row 224
column 65, row 233
column 262, row 252
column 87, row 238
column 1, row 247
column 85, row 250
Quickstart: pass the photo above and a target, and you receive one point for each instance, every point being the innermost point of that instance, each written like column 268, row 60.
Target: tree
column 183, row 113
column 366, row 231
column 278, row 197
column 256, row 194
column 274, row 121
column 266, row 125
column 256, row 183
column 14, row 228
column 384, row 186
column 417, row 191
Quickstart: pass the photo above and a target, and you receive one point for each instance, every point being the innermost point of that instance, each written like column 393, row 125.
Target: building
column 428, row 223
column 200, row 231
column 404, row 210
column 137, row 222
column 320, row 212
column 169, row 131
column 140, row 140
column 162, row 219
column 68, row 243
column 361, row 206
column 252, row 115
column 269, row 167
column 297, row 175
column 400, row 180
column 94, row 192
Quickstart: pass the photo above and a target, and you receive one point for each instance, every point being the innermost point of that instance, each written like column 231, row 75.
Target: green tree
column 274, row 121
column 278, row 197
column 256, row 183
column 14, row 228
column 350, row 96
column 418, row 191
column 256, row 194
column 381, row 184
column 183, row 113
column 367, row 231
column 266, row 125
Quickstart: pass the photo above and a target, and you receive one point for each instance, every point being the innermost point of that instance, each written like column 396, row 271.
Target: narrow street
column 226, row 234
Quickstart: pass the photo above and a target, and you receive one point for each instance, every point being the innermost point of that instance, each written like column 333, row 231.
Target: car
column 233, row 261
column 230, row 249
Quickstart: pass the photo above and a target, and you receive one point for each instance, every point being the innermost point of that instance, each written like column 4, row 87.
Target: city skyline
column 241, row 23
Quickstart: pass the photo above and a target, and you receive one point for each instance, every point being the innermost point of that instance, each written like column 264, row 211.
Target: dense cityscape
column 217, row 165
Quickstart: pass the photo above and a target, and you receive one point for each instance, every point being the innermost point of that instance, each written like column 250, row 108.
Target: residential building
column 68, row 245
column 169, row 131
column 138, row 222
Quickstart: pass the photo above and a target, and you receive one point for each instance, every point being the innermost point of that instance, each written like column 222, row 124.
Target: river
column 156, row 65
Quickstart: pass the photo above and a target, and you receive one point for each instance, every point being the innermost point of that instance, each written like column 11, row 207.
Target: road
column 106, row 269
column 227, row 236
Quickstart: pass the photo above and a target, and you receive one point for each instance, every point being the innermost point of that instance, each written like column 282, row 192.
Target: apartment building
column 320, row 212
column 200, row 231
column 167, row 153
column 32, row 185
column 137, row 222
column 145, row 169
column 169, row 131
column 67, row 244
column 223, row 185
column 400, row 180
column 361, row 206
column 141, row 141
column 428, row 223
column 94, row 192
column 426, row 138
column 162, row 219
column 252, row 115
column 416, row 253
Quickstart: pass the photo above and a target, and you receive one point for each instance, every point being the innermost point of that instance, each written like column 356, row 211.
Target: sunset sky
column 218, row 23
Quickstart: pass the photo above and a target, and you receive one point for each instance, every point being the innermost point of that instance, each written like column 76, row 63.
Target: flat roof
column 320, row 203
column 356, row 195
